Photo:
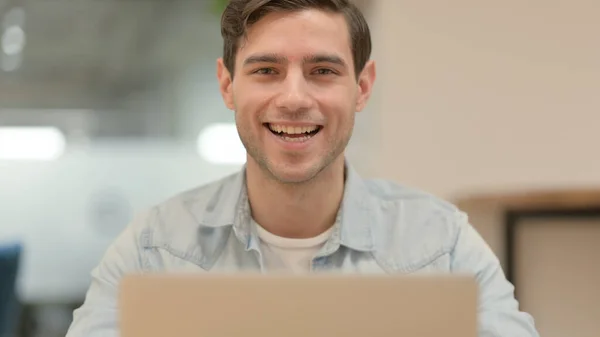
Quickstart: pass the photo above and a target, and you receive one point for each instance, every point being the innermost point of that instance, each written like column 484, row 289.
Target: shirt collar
column 229, row 206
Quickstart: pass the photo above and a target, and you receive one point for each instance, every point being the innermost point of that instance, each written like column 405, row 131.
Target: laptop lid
column 316, row 306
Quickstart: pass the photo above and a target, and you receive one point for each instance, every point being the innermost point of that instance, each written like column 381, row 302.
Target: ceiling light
column 220, row 144
column 13, row 40
column 31, row 143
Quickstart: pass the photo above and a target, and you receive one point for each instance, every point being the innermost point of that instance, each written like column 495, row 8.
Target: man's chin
column 294, row 177
column 294, row 173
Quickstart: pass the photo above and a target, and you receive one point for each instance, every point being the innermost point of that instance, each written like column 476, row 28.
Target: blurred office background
column 109, row 107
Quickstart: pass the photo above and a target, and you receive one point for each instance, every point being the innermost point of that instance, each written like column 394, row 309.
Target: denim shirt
column 381, row 227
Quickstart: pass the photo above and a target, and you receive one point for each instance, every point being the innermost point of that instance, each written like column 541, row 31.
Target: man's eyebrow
column 278, row 59
column 325, row 58
column 265, row 58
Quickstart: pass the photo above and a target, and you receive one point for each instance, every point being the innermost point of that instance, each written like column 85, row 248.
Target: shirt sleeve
column 498, row 310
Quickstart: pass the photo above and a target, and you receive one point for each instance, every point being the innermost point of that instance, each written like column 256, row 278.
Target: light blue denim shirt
column 381, row 228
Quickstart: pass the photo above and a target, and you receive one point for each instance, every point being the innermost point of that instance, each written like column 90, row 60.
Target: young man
column 295, row 72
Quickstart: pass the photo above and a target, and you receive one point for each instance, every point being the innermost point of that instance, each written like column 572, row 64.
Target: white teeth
column 292, row 130
column 296, row 139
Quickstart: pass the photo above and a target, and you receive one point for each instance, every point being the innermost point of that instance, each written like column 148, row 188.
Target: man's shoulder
column 414, row 228
column 391, row 193
column 204, row 194
column 181, row 214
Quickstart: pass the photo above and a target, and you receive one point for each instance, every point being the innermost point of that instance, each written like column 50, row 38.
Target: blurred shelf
column 566, row 199
column 517, row 207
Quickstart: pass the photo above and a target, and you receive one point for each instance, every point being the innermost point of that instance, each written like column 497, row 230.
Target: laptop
column 297, row 306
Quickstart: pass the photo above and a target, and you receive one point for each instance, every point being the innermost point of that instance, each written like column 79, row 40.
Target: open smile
column 294, row 133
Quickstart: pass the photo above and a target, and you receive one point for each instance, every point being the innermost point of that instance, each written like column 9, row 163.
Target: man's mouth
column 291, row 133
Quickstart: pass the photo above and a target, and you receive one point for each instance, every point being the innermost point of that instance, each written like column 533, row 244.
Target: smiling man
column 295, row 73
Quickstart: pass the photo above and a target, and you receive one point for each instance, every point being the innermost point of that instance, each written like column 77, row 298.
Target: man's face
column 295, row 92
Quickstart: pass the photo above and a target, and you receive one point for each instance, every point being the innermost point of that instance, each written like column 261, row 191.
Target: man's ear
column 225, row 83
column 365, row 85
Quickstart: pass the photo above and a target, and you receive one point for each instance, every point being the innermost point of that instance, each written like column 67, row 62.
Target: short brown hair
column 239, row 15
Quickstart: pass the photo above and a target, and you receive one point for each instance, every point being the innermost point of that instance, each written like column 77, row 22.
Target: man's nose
column 294, row 94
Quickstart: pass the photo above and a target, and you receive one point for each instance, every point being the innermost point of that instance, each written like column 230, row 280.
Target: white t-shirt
column 289, row 255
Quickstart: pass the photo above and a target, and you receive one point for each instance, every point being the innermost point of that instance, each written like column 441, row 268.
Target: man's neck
column 296, row 210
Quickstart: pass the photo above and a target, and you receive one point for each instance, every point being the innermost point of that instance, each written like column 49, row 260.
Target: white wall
column 67, row 212
column 481, row 96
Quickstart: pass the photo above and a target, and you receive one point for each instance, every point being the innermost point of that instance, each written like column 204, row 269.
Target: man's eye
column 265, row 71
column 324, row 71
